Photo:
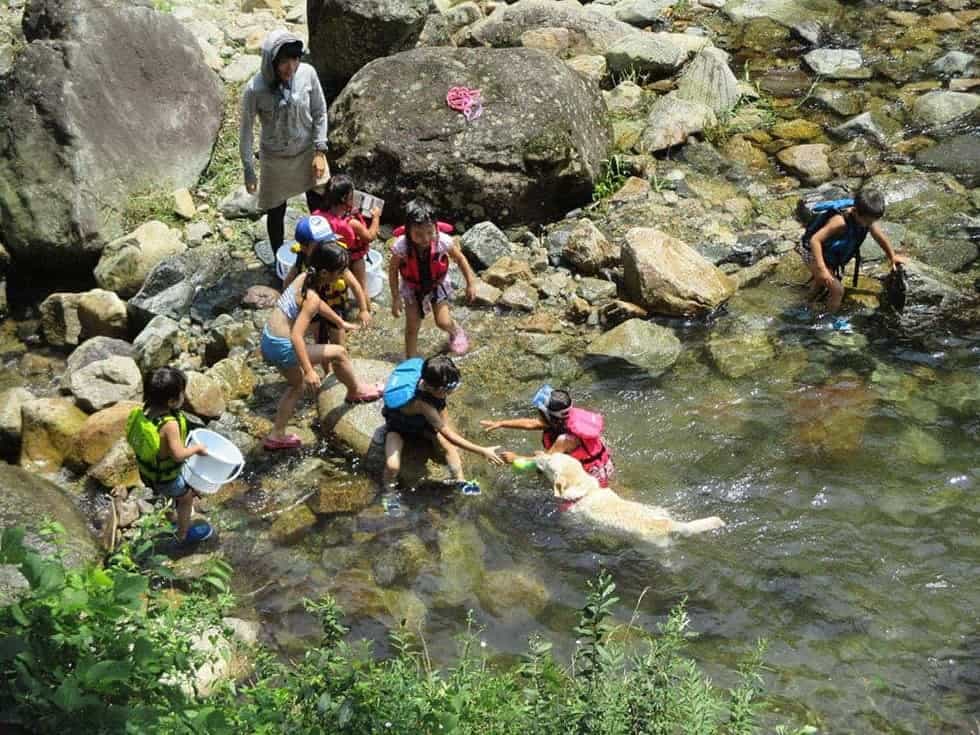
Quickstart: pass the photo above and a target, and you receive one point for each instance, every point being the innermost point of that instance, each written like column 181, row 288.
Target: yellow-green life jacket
column 143, row 435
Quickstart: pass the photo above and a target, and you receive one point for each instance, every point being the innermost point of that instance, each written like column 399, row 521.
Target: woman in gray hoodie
column 287, row 97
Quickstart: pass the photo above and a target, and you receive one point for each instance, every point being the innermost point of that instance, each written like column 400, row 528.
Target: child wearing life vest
column 415, row 406
column 565, row 429
column 157, row 432
column 351, row 228
column 835, row 238
column 418, row 274
column 311, row 230
column 284, row 347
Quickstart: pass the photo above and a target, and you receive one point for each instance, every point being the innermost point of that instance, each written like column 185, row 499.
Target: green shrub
column 613, row 176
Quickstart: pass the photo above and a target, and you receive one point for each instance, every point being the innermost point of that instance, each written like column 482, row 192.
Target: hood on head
column 270, row 47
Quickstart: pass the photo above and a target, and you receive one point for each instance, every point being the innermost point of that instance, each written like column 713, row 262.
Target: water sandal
column 197, row 533
column 469, row 487
column 287, row 442
column 392, row 504
column 842, row 324
column 459, row 343
column 373, row 394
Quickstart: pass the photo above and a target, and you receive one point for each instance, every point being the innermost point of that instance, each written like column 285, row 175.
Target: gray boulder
column 68, row 166
column 672, row 120
column 959, row 155
column 171, row 286
column 105, row 383
column 157, row 345
column 809, row 162
column 863, row 125
column 787, row 12
column 128, row 260
column 347, row 34
column 68, row 319
column 953, row 64
column 484, row 244
column 637, row 343
column 94, row 350
column 529, row 158
column 653, row 54
column 587, row 250
column 942, row 106
column 642, row 12
column 709, row 81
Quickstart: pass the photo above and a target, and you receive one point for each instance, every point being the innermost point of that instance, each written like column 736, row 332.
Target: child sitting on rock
column 157, row 432
column 350, row 227
column 419, row 277
column 834, row 238
column 415, row 407
column 566, row 429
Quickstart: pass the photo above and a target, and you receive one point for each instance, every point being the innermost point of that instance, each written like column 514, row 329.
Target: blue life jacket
column 842, row 249
column 403, row 383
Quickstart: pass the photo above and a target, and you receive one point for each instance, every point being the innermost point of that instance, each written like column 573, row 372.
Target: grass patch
column 149, row 204
column 613, row 176
column 224, row 171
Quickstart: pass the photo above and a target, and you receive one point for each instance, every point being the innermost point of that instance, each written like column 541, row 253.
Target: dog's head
column 569, row 479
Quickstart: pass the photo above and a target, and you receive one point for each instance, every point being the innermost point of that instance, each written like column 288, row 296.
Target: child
column 567, row 430
column 158, row 435
column 311, row 230
column 838, row 240
column 354, row 233
column 419, row 277
column 415, row 406
column 283, row 345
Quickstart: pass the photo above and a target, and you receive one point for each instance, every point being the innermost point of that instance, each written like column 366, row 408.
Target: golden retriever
column 603, row 507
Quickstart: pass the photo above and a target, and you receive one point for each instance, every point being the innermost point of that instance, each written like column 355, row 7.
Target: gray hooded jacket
column 293, row 118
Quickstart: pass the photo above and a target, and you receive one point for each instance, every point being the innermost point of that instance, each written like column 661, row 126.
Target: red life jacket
column 344, row 232
column 440, row 225
column 587, row 428
column 411, row 273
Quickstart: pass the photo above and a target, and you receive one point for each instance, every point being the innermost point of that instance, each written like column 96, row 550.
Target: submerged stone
column 638, row 343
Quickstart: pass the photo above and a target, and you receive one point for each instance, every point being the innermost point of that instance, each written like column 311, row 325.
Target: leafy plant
column 614, row 174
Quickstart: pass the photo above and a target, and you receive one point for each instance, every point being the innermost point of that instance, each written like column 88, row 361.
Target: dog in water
column 579, row 493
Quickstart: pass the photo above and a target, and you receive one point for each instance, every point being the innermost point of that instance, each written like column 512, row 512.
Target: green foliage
column 105, row 646
column 147, row 204
column 614, row 174
column 224, row 171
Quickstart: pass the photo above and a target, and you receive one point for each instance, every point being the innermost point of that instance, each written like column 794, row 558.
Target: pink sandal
column 290, row 441
column 372, row 394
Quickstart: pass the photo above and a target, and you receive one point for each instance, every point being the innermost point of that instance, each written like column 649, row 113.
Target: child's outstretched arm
column 882, row 239
column 438, row 424
column 393, row 282
column 457, row 256
column 529, row 424
column 327, row 312
column 563, row 445
column 363, row 305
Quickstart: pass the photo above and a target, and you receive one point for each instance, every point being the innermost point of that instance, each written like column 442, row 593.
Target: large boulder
column 959, row 155
column 590, row 31
column 67, row 168
column 49, row 428
column 942, row 106
column 672, row 120
column 171, row 287
column 68, row 319
column 28, row 501
column 127, row 261
column 107, row 382
column 529, row 158
column 637, row 343
column 484, row 244
column 101, row 431
column 347, row 34
column 667, row 276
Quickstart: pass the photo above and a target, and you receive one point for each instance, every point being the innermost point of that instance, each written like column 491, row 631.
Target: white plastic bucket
column 222, row 464
column 375, row 280
column 285, row 260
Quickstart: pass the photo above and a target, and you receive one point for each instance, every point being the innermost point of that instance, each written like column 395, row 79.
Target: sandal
column 290, row 441
column 373, row 393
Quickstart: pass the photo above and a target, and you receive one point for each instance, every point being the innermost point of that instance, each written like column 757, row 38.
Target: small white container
column 285, row 260
column 373, row 263
column 222, row 464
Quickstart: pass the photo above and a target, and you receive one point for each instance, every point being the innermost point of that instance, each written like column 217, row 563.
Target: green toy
column 524, row 464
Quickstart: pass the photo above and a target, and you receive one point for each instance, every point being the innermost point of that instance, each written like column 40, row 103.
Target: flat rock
column 836, row 63
column 104, row 383
column 941, row 107
column 639, row 344
column 959, row 155
column 672, row 120
column 809, row 162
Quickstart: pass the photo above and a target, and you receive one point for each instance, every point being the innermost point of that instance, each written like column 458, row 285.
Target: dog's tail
column 698, row 526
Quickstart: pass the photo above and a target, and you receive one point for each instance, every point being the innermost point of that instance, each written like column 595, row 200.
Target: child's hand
column 508, row 457
column 364, row 316
column 490, row 453
column 826, row 279
column 470, row 293
column 375, row 212
column 311, row 380
column 349, row 326
column 396, row 307
column 897, row 260
column 489, row 425
column 201, row 449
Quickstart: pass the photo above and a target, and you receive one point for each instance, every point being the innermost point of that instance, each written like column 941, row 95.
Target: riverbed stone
column 101, row 431
column 461, row 551
column 292, row 525
column 401, row 562
column 93, row 350
column 11, row 401
column 798, row 130
column 484, row 244
column 809, row 162
column 235, row 377
column 587, row 250
column 836, row 63
column 178, row 281
column 709, row 81
column 594, row 290
column 49, row 428
column 787, row 12
column 672, row 120
column 864, row 125
column 521, row 296
column 953, row 63
column 624, row 97
column 506, row 591
column 941, row 107
column 205, row 395
column 740, row 354
column 666, row 276
column 640, row 344
column 158, row 344
column 844, row 102
column 117, row 467
column 507, row 271
column 104, row 383
column 657, row 55
column 959, row 155
column 126, row 261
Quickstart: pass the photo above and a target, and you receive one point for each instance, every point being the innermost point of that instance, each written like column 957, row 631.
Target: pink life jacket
column 587, row 428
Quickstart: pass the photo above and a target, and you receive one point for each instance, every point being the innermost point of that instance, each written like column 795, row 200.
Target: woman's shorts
column 278, row 351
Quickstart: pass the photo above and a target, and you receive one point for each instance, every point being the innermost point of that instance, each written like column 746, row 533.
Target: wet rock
column 784, row 82
column 593, row 32
column 932, row 296
column 941, row 107
column 484, row 244
column 94, row 350
column 921, row 447
column 10, row 421
column 48, row 430
column 863, row 125
column 798, row 130
column 239, row 204
column 505, row 591
column 101, row 431
column 461, row 553
column 835, row 63
column 594, row 290
column 809, row 162
column 616, row 312
column 171, row 287
column 740, row 354
column 537, row 172
column 234, row 376
column 741, row 150
column 347, row 34
column 29, row 501
column 842, row 101
column 292, row 525
column 158, row 344
column 401, row 562
column 333, row 491
column 587, row 249
column 666, row 276
column 507, row 271
column 105, row 383
column 406, row 607
column 643, row 345
column 830, row 419
column 672, row 120
column 708, row 81
column 954, row 63
column 521, row 296
column 205, row 395
column 655, row 54
column 787, row 12
column 959, row 155
column 76, row 166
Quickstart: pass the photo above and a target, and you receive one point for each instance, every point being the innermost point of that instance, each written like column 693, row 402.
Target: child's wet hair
column 439, row 372
column 339, row 188
column 326, row 257
column 419, row 212
column 162, row 386
column 870, row 204
column 559, row 400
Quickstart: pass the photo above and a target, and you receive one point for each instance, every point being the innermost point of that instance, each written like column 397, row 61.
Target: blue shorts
column 174, row 489
column 278, row 351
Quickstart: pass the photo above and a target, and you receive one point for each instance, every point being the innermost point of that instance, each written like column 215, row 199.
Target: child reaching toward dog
column 418, row 274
